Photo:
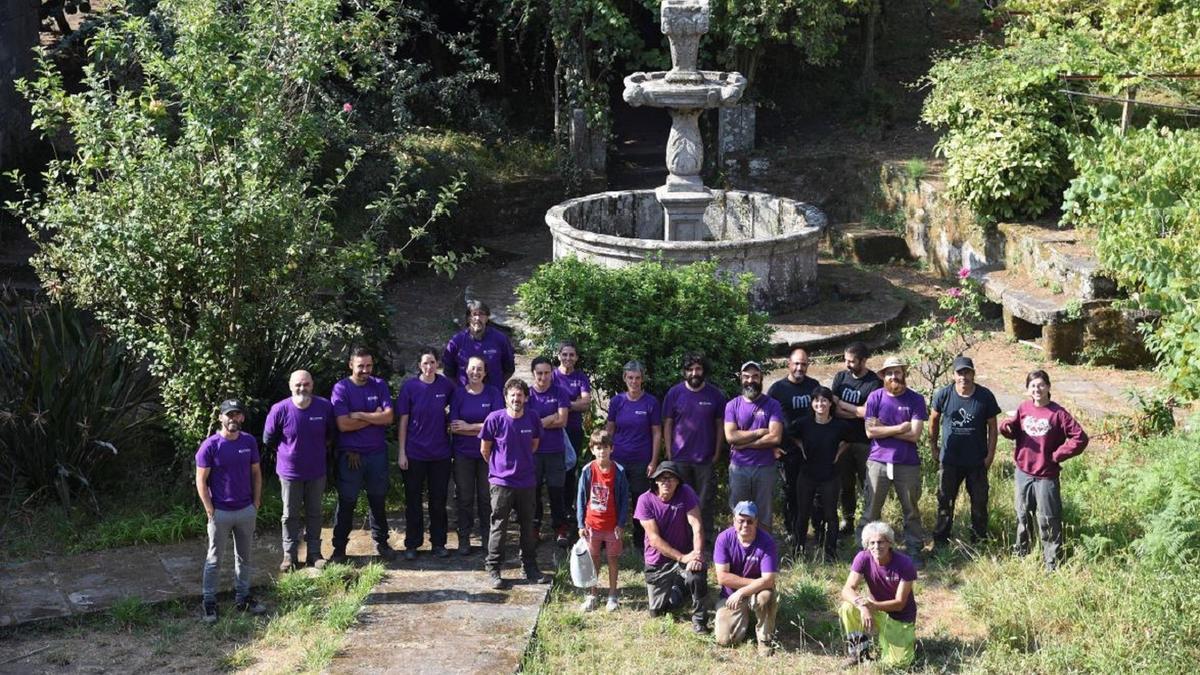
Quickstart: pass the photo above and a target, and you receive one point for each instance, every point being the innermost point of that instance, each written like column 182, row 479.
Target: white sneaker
column 611, row 606
column 589, row 604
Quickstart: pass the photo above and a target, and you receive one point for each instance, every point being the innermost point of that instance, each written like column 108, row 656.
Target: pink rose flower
column 951, row 321
column 955, row 292
column 962, row 273
column 346, row 107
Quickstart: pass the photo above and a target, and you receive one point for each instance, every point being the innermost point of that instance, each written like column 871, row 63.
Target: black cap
column 232, row 405
column 963, row 362
column 667, row 467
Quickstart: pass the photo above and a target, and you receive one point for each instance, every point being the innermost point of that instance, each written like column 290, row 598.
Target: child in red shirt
column 602, row 508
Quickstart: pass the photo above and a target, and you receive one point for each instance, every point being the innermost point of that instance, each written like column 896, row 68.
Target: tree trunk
column 868, row 77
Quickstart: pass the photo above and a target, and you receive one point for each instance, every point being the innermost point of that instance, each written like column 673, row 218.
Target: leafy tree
column 744, row 29
column 195, row 214
column 650, row 311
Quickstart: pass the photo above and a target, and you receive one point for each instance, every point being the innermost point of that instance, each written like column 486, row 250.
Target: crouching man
column 747, row 560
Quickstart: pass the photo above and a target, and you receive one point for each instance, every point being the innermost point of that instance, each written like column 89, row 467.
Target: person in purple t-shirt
column 674, row 549
column 568, row 376
column 508, row 440
column 746, row 560
column 229, row 482
column 424, row 455
column 635, row 425
column 550, row 403
column 754, row 428
column 888, row 611
column 363, row 406
column 300, row 429
column 693, row 425
column 895, row 416
column 479, row 339
column 469, row 407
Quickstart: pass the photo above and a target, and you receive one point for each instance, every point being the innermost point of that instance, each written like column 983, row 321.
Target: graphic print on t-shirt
column 1035, row 427
column 852, row 396
column 599, row 499
column 962, row 418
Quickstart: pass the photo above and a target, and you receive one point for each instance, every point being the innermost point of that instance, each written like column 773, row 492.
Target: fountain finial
column 684, row 22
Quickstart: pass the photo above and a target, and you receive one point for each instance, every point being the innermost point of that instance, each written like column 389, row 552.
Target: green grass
column 513, row 158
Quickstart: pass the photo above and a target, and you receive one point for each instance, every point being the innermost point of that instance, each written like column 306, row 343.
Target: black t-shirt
column 820, row 446
column 964, row 424
column 796, row 401
column 854, row 390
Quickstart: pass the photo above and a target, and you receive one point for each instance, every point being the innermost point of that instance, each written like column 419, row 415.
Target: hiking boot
column 561, row 537
column 316, row 561
column 699, row 625
column 339, row 557
column 589, row 604
column 496, row 581
column 441, row 552
column 464, row 549
column 386, row 552
column 612, row 604
column 534, row 575
column 288, row 564
column 410, row 554
column 209, row 615
column 250, row 604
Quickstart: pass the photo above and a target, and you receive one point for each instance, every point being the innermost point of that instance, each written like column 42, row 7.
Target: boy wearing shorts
column 602, row 508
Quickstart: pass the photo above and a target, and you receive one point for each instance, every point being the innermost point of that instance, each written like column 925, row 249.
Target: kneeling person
column 673, row 554
column 747, row 561
column 889, row 611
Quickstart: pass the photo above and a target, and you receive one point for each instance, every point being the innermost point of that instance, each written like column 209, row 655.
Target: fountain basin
column 712, row 89
column 773, row 238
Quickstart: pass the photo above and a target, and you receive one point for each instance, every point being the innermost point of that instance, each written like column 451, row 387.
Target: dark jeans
column 668, row 585
column 638, row 483
column 471, row 480
column 950, row 478
column 1041, row 497
column 571, row 488
column 853, row 467
column 371, row 475
column 434, row 474
column 550, row 471
column 826, row 527
column 504, row 501
column 703, row 480
column 791, row 467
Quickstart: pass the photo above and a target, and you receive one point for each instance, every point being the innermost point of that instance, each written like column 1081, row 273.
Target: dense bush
column 652, row 312
column 1139, row 193
column 69, row 400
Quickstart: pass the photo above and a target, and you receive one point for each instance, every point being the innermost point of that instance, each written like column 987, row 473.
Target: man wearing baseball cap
column 229, row 482
column 754, row 429
column 895, row 416
column 674, row 548
column 963, row 424
column 746, row 560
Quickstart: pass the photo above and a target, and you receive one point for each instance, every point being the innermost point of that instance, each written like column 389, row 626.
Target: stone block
column 1063, row 341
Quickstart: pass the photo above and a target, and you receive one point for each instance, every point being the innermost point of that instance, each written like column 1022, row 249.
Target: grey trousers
column 241, row 524
column 472, row 497
column 755, row 484
column 1043, row 497
column 668, row 585
column 702, row 479
column 906, row 478
column 302, row 497
column 504, row 501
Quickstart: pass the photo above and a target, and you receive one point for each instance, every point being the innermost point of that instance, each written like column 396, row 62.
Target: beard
column 696, row 382
column 751, row 390
column 895, row 386
column 231, row 426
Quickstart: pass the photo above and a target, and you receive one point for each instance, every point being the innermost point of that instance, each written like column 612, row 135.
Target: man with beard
column 794, row 394
column 300, row 428
column 229, row 482
column 851, row 387
column 479, row 339
column 754, row 429
column 362, row 404
column 894, row 419
column 693, row 414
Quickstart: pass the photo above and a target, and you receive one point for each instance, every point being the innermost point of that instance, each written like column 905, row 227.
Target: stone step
column 867, row 245
column 1064, row 259
column 853, row 305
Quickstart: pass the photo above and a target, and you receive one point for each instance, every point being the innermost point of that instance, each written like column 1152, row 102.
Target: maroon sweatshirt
column 1045, row 438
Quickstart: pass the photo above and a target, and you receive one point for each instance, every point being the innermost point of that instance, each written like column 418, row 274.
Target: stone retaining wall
column 774, row 239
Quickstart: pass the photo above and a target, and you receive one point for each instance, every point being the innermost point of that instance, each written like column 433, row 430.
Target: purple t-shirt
column 472, row 409
column 748, row 416
column 633, row 440
column 693, row 436
column 577, row 383
column 425, row 404
column 884, row 580
column 494, row 348
column 303, row 435
column 750, row 562
column 349, row 397
column 229, row 482
column 511, row 463
column 671, row 518
column 891, row 410
column 545, row 404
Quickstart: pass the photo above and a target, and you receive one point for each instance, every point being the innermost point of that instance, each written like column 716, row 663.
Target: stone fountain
column 683, row 221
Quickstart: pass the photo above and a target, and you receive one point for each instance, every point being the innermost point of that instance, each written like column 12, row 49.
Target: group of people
column 509, row 448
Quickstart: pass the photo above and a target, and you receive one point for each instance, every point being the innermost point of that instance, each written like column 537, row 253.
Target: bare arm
column 656, row 437
column 992, row 436
column 583, row 403
column 912, row 432
column 556, row 421
column 202, row 489
column 256, row 481
column 464, row 428
column 935, row 425
column 668, row 430
column 380, row 417
column 348, row 423
column 770, row 437
column 402, row 455
column 742, row 438
column 485, row 449
column 746, row 586
column 718, row 437
column 842, row 448
column 877, row 430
